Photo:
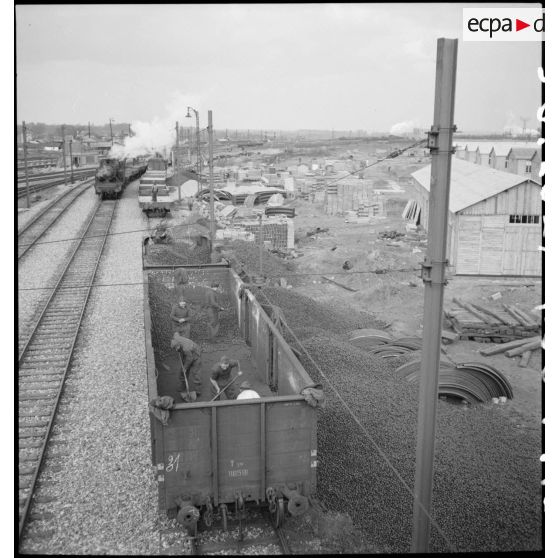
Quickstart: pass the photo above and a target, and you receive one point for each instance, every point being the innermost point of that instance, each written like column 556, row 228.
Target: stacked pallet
column 491, row 325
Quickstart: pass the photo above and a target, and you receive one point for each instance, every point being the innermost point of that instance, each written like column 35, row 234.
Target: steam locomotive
column 114, row 174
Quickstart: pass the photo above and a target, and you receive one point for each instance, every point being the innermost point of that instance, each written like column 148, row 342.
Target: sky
column 265, row 67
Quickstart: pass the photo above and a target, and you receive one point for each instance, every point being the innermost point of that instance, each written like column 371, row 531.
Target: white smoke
column 514, row 126
column 159, row 135
column 403, row 128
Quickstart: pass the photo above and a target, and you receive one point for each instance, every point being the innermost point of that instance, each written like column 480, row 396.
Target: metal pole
column 64, row 152
column 198, row 148
column 175, row 165
column 111, row 138
column 261, row 245
column 440, row 142
column 71, row 164
column 27, row 198
column 211, row 201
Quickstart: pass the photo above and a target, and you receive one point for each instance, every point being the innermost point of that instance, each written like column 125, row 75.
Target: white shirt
column 248, row 394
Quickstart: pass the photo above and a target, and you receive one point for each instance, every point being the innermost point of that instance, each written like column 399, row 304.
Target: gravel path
column 41, row 266
column 105, row 497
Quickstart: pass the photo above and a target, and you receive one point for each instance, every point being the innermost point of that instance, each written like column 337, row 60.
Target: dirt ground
column 397, row 297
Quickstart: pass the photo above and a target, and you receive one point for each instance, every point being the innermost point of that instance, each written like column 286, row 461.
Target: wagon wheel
column 279, row 516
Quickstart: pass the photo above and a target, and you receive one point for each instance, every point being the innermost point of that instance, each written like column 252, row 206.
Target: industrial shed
column 495, row 220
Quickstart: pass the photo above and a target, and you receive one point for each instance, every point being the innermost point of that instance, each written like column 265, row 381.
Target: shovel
column 228, row 384
column 188, row 396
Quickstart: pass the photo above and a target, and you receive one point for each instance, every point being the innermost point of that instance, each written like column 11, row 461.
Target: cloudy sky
column 318, row 66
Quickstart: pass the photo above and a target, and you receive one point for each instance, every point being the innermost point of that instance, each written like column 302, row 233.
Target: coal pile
column 177, row 254
column 487, row 475
column 247, row 255
column 302, row 312
column 161, row 300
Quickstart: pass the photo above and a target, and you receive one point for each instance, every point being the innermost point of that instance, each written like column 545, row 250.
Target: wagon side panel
column 238, row 449
column 291, row 445
column 186, row 452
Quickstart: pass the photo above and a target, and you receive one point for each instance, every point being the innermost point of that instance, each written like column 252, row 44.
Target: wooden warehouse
column 495, row 220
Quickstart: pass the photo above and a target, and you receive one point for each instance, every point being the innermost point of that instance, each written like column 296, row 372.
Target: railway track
column 41, row 223
column 45, row 359
column 37, row 184
column 257, row 533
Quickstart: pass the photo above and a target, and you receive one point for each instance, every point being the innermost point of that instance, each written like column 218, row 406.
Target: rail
column 45, row 360
column 36, row 227
column 44, row 182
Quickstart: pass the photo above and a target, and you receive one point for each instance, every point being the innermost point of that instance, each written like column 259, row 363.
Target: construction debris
column 498, row 324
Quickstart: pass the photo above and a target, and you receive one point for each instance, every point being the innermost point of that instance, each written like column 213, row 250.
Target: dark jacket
column 178, row 313
column 223, row 376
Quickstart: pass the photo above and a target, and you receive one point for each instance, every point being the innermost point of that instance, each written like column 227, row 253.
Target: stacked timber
column 521, row 347
column 491, row 324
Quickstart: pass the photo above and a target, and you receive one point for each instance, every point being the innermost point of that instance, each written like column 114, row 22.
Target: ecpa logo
column 503, row 24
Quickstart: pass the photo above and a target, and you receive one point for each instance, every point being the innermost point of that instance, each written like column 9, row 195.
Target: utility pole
column 89, row 129
column 27, row 199
column 129, row 130
column 175, row 165
column 211, row 201
column 64, row 152
column 111, row 138
column 71, row 164
column 433, row 273
column 261, row 245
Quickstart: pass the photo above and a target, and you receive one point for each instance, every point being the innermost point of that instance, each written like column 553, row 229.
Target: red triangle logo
column 519, row 25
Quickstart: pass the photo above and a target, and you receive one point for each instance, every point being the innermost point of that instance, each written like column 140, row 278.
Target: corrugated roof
column 523, row 152
column 500, row 147
column 471, row 183
column 503, row 148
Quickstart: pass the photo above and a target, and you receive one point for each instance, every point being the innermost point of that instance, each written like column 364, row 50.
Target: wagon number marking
column 173, row 463
column 239, row 473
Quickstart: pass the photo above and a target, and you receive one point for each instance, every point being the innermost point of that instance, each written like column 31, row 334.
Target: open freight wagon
column 213, row 457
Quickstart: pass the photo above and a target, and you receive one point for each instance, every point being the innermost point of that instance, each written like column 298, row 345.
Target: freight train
column 114, row 174
column 212, row 458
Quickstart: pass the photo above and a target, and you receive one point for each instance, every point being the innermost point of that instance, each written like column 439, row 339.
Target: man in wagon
column 181, row 318
column 221, row 375
column 213, row 308
column 190, row 358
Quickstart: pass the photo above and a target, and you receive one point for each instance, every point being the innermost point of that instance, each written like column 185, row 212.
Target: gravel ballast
column 105, row 496
column 42, row 265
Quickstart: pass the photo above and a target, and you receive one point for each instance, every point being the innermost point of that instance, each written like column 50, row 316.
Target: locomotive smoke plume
column 159, row 135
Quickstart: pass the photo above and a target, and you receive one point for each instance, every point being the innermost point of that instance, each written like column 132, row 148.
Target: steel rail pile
column 473, row 321
column 474, row 382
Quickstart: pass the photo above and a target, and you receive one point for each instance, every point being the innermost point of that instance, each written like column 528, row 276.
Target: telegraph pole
column 111, row 138
column 440, row 143
column 211, row 202
column 71, row 164
column 89, row 129
column 261, row 245
column 64, row 153
column 28, row 201
column 176, row 164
